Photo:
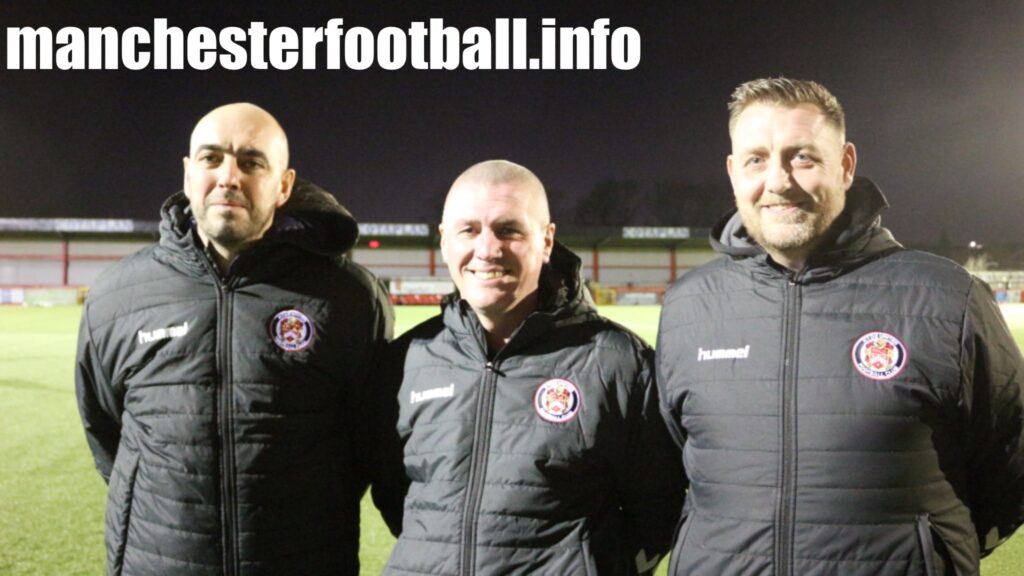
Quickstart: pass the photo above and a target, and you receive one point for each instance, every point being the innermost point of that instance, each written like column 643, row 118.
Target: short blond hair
column 492, row 172
column 786, row 92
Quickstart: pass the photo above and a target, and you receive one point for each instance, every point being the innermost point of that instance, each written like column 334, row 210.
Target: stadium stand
column 52, row 261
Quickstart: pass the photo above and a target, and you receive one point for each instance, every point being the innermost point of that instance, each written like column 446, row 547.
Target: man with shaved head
column 501, row 292
column 527, row 423
column 231, row 219
column 223, row 375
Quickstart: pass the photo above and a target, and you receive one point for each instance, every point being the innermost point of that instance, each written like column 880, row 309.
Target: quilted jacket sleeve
column 993, row 374
column 651, row 481
column 388, row 477
column 99, row 403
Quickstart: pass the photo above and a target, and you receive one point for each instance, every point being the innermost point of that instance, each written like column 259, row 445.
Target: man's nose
column 778, row 178
column 486, row 245
column 228, row 173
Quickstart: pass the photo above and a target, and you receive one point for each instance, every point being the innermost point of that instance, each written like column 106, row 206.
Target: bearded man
column 844, row 405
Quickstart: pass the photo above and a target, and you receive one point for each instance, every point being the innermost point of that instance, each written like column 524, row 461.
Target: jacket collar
column 856, row 237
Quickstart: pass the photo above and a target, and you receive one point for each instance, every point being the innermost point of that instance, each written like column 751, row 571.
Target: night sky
column 933, row 94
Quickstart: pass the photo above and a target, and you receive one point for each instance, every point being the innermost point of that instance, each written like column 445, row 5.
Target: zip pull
column 491, row 367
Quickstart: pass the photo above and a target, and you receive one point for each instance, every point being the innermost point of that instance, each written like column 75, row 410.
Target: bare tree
column 678, row 202
column 610, row 203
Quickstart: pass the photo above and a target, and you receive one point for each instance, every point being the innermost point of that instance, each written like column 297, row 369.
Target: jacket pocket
column 119, row 507
column 678, row 539
column 934, row 550
column 924, row 537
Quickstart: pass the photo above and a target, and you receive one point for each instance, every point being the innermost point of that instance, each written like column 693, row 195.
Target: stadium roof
column 404, row 233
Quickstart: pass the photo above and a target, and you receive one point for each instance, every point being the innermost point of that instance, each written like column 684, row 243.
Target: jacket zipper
column 225, row 422
column 477, row 469
column 785, row 511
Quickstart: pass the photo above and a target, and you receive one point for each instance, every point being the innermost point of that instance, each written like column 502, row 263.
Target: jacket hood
column 855, row 237
column 312, row 220
column 561, row 283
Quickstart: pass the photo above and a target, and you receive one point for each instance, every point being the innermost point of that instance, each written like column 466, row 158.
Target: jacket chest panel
column 847, row 359
column 166, row 346
column 272, row 351
column 440, row 407
column 867, row 384
column 540, row 420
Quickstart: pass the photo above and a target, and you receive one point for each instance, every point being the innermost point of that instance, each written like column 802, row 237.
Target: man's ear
column 287, row 182
column 184, row 177
column 549, row 241
column 849, row 163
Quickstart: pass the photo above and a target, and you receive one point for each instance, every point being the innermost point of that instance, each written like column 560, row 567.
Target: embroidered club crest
column 879, row 355
column 557, row 400
column 291, row 330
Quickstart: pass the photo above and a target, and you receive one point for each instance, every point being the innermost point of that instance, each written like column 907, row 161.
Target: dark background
column 933, row 95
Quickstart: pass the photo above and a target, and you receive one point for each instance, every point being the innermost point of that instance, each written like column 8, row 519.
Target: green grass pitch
column 51, row 498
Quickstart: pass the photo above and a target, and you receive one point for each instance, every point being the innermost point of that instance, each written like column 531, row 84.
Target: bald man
column 528, row 424
column 223, row 374
column 232, row 218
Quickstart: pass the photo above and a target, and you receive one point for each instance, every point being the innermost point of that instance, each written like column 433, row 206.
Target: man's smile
column 492, row 274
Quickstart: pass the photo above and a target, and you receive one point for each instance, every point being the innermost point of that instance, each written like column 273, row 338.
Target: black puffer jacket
column 548, row 458
column 227, row 413
column 861, row 417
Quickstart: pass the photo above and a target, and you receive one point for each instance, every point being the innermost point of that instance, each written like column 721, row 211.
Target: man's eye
column 208, row 158
column 755, row 160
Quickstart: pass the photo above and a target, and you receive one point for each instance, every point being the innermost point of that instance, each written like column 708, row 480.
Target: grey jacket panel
column 232, row 439
column 830, row 420
column 507, row 480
